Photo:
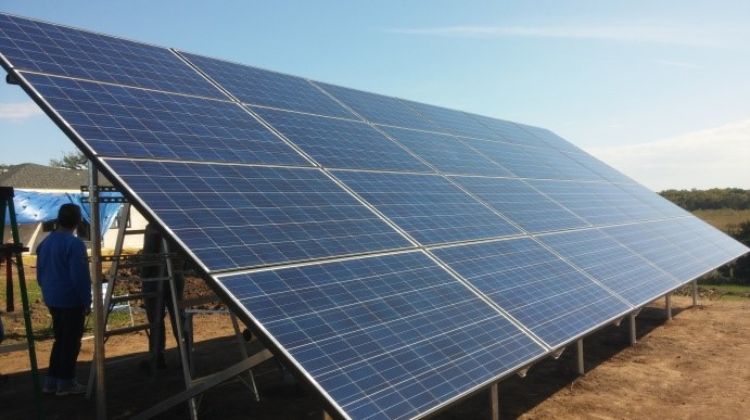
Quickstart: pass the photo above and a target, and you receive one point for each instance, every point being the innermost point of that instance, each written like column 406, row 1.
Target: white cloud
column 716, row 157
column 648, row 33
column 16, row 111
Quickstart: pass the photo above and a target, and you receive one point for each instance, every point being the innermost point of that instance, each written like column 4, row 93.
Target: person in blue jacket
column 63, row 275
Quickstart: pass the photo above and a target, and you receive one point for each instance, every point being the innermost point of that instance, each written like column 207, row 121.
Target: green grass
column 724, row 219
column 729, row 291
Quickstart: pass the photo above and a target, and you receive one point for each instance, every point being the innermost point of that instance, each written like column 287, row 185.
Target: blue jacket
column 62, row 271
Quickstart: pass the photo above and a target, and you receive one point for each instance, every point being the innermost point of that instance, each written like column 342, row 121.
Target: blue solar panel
column 551, row 139
column 446, row 153
column 380, row 109
column 454, row 122
column 690, row 240
column 428, row 207
column 709, row 233
column 256, row 86
column 521, row 203
column 531, row 162
column 665, row 207
column 582, row 199
column 387, row 337
column 509, row 132
column 42, row 47
column 338, row 143
column 600, row 168
column 548, row 296
column 622, row 271
column 117, row 121
column 641, row 239
column 241, row 216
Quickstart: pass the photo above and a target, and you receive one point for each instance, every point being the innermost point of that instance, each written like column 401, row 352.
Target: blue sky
column 609, row 76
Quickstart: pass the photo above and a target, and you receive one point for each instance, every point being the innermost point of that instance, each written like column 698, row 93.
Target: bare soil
column 694, row 367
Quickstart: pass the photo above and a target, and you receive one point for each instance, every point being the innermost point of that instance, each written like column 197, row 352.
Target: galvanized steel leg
column 579, row 353
column 668, row 299
column 633, row 340
column 181, row 343
column 495, row 401
column 96, row 276
column 695, row 292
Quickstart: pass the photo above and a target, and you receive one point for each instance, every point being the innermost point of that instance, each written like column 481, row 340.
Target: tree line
column 715, row 198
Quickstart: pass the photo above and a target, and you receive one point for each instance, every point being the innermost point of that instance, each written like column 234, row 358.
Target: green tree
column 70, row 160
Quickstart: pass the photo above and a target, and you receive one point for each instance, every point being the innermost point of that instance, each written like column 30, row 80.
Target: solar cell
column 509, row 132
column 641, row 239
column 521, row 203
column 256, row 86
column 338, row 143
column 548, row 296
column 689, row 239
column 54, row 49
column 711, row 234
column 445, row 152
column 599, row 167
column 379, row 109
column 662, row 205
column 119, row 121
column 583, row 200
column 454, row 122
column 621, row 270
column 235, row 217
column 530, row 162
column 428, row 207
column 551, row 139
column 387, row 337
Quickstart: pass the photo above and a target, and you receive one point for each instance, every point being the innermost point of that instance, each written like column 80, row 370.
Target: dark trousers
column 155, row 314
column 67, row 324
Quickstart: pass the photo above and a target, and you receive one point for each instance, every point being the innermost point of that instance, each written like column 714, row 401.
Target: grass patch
column 724, row 219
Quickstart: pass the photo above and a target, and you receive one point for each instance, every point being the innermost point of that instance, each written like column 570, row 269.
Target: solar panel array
column 398, row 255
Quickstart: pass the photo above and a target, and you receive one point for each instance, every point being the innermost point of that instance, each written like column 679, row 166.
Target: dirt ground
column 694, row 367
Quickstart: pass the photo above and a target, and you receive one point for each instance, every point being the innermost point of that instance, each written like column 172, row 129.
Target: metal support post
column 579, row 353
column 96, row 276
column 243, row 353
column 631, row 318
column 695, row 292
column 182, row 343
column 668, row 299
column 495, row 401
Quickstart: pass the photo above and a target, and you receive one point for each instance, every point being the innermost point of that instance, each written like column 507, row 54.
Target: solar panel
column 621, row 270
column 338, row 143
column 235, row 217
column 380, row 109
column 692, row 242
column 702, row 229
column 256, row 86
column 548, row 296
column 454, row 122
column 446, row 153
column 530, row 162
column 54, row 49
column 509, row 132
column 118, row 121
column 522, row 204
column 427, row 207
column 550, row 139
column 305, row 204
column 386, row 337
column 582, row 199
column 641, row 239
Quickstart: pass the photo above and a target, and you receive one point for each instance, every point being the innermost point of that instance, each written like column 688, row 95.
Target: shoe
column 49, row 390
column 50, row 386
column 73, row 389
